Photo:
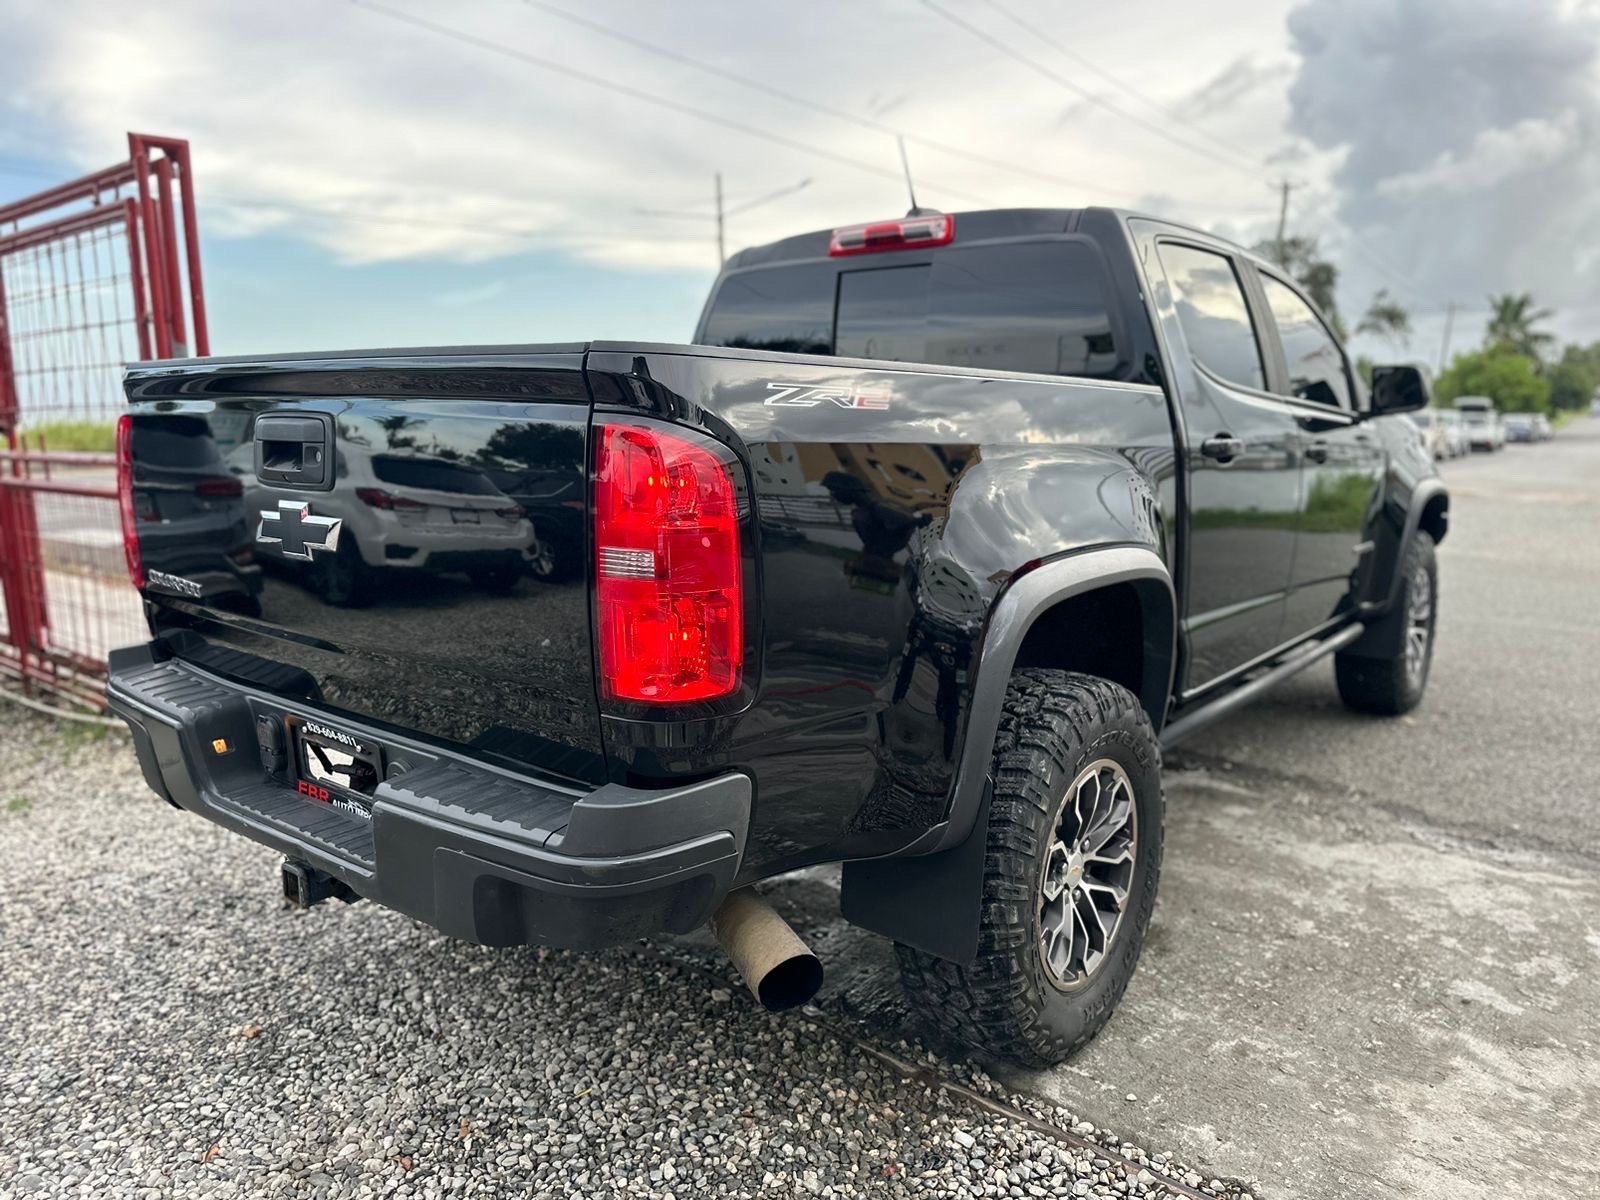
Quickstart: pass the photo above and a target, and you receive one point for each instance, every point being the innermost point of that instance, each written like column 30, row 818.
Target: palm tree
column 1511, row 325
column 1387, row 318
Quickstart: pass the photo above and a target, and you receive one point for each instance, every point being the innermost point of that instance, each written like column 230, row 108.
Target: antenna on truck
column 911, row 188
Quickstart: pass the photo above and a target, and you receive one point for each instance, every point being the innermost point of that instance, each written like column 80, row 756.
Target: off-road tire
column 342, row 579
column 498, row 581
column 1005, row 1005
column 1386, row 686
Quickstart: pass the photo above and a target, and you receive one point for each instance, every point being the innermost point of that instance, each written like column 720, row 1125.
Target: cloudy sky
column 381, row 172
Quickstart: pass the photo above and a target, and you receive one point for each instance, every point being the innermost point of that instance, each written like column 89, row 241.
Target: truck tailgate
column 364, row 533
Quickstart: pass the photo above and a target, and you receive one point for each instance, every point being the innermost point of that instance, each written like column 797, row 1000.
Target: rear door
column 1343, row 459
column 1243, row 460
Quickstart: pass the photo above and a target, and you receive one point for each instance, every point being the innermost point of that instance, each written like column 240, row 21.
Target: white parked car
column 1485, row 431
column 398, row 510
column 1455, row 433
column 1431, row 422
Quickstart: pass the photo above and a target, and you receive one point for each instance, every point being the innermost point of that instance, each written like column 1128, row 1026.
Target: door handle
column 295, row 450
column 1317, row 451
column 1224, row 447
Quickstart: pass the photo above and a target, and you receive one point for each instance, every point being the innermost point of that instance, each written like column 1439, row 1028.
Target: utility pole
column 1284, row 188
column 1444, row 343
column 720, row 214
column 722, row 251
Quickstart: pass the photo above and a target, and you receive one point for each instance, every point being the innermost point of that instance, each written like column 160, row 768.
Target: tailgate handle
column 295, row 450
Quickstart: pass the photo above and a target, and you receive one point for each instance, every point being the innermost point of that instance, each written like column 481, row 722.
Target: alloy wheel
column 1088, row 874
column 1419, row 624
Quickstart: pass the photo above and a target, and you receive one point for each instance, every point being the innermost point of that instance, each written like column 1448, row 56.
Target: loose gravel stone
column 170, row 1030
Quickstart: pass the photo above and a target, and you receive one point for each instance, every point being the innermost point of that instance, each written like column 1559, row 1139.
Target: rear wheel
column 1394, row 685
column 1074, row 856
column 341, row 578
column 498, row 580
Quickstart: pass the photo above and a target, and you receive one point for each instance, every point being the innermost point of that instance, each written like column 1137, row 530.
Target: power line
column 1062, row 81
column 624, row 89
column 719, row 214
column 827, row 110
column 223, row 199
column 1090, row 65
column 372, row 218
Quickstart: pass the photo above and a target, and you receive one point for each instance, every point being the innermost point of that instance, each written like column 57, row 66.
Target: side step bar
column 1191, row 723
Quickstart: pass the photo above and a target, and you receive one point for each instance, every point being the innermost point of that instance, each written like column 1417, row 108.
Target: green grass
column 1337, row 505
column 18, row 804
column 72, row 435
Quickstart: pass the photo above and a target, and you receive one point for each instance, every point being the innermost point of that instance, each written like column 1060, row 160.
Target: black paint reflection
column 441, row 606
column 893, row 507
column 194, row 535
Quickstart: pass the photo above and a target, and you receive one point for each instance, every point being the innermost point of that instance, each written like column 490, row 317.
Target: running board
column 1191, row 723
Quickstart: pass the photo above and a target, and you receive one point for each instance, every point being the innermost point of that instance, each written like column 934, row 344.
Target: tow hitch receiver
column 304, row 885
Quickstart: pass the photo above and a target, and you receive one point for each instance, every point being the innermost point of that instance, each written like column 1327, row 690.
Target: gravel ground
column 169, row 1029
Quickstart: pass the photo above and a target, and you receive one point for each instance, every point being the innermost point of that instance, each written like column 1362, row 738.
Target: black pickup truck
column 916, row 560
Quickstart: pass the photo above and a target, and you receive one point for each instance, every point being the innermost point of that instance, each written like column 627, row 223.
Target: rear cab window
column 1039, row 306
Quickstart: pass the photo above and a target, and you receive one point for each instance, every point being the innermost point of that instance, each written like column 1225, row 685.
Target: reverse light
column 908, row 233
column 130, row 524
column 670, row 587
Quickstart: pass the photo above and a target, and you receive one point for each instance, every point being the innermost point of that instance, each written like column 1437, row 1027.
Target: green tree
column 1512, row 381
column 1575, row 379
column 1302, row 258
column 1387, row 318
column 1512, row 322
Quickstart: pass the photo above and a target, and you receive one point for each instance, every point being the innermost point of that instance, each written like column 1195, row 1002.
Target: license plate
column 466, row 516
column 337, row 768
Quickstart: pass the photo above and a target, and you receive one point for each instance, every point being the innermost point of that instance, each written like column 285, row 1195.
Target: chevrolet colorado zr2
column 942, row 529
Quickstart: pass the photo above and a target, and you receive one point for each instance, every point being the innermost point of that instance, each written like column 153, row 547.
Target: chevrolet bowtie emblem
column 292, row 526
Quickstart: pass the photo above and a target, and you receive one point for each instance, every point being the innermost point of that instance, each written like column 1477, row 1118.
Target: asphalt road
column 1375, row 965
column 1374, row 971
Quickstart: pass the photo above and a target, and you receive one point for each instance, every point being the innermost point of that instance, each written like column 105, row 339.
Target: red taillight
column 378, row 498
column 130, row 525
column 219, row 488
column 670, row 587
column 908, row 233
column 514, row 512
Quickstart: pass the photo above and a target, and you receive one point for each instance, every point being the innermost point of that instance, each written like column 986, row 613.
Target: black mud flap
column 932, row 902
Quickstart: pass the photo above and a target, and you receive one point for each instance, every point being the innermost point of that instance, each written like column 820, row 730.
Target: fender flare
column 928, row 896
column 1385, row 624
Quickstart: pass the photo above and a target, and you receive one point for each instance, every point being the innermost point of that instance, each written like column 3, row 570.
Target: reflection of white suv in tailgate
column 429, row 513
column 411, row 512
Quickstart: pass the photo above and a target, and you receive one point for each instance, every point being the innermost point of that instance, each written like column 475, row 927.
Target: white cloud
column 1494, row 156
column 379, row 141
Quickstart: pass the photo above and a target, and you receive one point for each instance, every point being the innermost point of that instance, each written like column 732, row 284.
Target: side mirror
column 1399, row 389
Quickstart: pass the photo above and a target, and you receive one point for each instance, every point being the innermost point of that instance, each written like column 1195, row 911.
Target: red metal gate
column 93, row 275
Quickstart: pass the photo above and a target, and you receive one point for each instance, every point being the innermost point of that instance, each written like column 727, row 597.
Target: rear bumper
column 479, row 853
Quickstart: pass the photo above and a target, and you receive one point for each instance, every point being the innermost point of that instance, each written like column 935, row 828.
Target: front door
column 1243, row 463
column 1343, row 467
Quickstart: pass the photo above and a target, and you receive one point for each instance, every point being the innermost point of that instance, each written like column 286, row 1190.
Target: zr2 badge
column 862, row 396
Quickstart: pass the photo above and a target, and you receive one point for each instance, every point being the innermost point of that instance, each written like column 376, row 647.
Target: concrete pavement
column 1375, row 964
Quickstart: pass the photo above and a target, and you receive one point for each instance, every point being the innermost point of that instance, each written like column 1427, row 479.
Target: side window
column 1211, row 309
column 1316, row 364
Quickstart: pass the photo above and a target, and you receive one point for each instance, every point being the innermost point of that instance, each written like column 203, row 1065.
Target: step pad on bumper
column 479, row 853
